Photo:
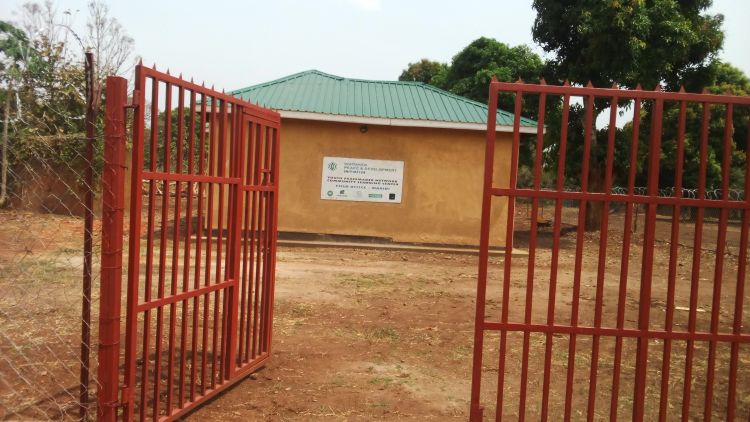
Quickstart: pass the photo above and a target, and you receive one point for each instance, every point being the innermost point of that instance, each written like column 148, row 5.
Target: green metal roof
column 317, row 92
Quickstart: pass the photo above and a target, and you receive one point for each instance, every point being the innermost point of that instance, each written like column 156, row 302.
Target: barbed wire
column 668, row 192
column 671, row 192
column 687, row 211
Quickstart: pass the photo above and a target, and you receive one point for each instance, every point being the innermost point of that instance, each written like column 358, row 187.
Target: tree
column 723, row 78
column 41, row 62
column 661, row 42
column 61, row 50
column 111, row 45
column 473, row 67
column 15, row 51
column 471, row 70
column 426, row 71
column 175, row 141
column 654, row 42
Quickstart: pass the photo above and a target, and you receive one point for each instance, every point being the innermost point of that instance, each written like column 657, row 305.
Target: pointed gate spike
column 682, row 88
column 140, row 61
column 589, row 84
column 542, row 81
column 615, row 86
column 566, row 83
column 494, row 78
column 520, row 81
column 638, row 87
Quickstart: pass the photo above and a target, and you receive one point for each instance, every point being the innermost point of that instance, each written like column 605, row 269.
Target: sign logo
column 329, row 193
column 332, row 166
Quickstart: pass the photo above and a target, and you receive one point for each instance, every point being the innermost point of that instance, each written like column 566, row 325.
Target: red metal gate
column 651, row 323
column 201, row 245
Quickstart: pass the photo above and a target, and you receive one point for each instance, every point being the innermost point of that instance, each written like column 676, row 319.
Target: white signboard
column 359, row 179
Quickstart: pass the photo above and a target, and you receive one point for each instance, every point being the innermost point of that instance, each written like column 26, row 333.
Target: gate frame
column 651, row 200
column 113, row 199
column 112, row 395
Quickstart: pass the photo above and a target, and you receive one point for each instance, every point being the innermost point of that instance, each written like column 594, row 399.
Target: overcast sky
column 236, row 44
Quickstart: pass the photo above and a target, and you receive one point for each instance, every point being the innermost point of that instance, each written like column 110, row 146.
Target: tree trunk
column 594, row 210
column 4, row 159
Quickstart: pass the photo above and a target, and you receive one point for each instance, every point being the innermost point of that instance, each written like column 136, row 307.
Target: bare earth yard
column 364, row 335
column 367, row 335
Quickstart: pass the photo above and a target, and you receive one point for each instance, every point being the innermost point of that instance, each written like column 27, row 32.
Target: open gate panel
column 645, row 317
column 201, row 246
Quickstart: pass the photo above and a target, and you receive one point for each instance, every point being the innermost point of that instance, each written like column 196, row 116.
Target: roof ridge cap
column 278, row 81
column 345, row 78
column 336, row 77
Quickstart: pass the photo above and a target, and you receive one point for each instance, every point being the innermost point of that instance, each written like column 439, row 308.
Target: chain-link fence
column 49, row 266
column 41, row 278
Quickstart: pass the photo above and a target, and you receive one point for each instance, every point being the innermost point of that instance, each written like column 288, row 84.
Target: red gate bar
column 739, row 295
column 113, row 190
column 714, row 335
column 199, row 164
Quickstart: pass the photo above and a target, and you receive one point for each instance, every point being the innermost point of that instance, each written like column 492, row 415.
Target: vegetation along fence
column 50, row 172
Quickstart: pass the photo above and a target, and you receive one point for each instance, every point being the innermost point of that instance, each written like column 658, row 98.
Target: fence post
column 88, row 235
column 113, row 188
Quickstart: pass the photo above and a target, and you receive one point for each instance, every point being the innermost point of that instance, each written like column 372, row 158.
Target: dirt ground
column 363, row 335
column 388, row 335
column 41, row 261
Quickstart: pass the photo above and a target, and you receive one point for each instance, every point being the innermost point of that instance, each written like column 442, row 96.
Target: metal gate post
column 113, row 188
column 476, row 411
column 649, row 239
column 235, row 224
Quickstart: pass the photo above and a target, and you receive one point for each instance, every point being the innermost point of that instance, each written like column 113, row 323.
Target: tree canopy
column 426, row 71
column 724, row 78
column 646, row 42
column 662, row 43
column 43, row 85
column 15, row 49
column 667, row 43
column 473, row 67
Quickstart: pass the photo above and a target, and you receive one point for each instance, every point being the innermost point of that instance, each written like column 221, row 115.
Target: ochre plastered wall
column 442, row 189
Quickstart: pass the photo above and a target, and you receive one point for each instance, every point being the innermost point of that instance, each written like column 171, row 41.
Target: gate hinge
column 134, row 102
column 124, row 396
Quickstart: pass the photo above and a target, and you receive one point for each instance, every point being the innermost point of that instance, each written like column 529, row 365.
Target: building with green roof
column 315, row 95
column 388, row 160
